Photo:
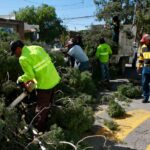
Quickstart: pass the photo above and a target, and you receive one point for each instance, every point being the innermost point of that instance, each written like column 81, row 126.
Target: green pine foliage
column 74, row 116
column 9, row 87
column 73, row 82
column 9, row 64
column 10, row 127
column 51, row 139
column 112, row 125
column 57, row 58
column 105, row 99
column 130, row 90
column 115, row 110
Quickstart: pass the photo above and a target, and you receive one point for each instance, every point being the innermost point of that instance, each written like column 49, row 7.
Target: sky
column 73, row 12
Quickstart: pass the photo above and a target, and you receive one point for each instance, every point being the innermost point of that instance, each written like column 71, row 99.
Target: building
column 8, row 21
column 15, row 25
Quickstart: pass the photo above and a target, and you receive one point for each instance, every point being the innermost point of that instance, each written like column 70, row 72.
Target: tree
column 129, row 12
column 27, row 14
column 142, row 16
column 106, row 9
column 45, row 17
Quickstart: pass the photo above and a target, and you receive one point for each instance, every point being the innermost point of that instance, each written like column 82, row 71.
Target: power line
column 29, row 1
column 83, row 17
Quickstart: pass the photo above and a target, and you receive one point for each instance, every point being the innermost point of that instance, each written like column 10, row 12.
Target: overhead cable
column 79, row 17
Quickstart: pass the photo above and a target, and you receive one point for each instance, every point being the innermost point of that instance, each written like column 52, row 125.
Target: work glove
column 29, row 86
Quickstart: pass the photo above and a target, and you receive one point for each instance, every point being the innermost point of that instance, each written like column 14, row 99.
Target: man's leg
column 145, row 86
column 44, row 101
column 102, row 70
column 107, row 72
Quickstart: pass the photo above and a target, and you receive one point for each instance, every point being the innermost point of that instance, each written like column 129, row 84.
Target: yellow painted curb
column 148, row 147
column 126, row 124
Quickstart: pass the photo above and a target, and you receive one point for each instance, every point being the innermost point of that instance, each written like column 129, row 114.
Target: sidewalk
column 134, row 128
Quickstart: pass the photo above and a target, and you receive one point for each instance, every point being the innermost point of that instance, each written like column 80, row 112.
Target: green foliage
column 105, row 99
column 57, row 58
column 122, row 98
column 123, row 8
column 74, row 116
column 129, row 90
column 10, row 125
column 111, row 125
column 45, row 16
column 91, row 39
column 143, row 17
column 6, row 36
column 86, row 83
column 73, row 82
column 8, row 87
column 27, row 14
column 54, row 136
column 115, row 110
column 9, row 64
column 88, row 99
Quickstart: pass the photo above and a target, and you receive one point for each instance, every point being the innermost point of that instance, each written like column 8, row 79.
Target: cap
column 14, row 45
column 145, row 38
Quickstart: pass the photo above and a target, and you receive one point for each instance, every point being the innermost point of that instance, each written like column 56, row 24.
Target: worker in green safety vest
column 103, row 54
column 38, row 68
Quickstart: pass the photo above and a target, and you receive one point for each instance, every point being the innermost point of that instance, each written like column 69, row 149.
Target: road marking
column 126, row 125
column 148, row 147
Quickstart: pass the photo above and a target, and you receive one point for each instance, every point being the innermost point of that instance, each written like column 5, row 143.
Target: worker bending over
column 38, row 68
column 81, row 59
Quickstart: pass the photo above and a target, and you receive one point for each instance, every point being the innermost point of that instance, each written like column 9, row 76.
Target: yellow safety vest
column 103, row 52
column 37, row 65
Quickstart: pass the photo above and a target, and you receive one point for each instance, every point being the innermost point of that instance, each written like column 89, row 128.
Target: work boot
column 144, row 101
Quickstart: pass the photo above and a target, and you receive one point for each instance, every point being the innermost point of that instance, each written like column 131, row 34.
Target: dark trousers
column 104, row 69
column 145, row 85
column 145, row 82
column 44, row 100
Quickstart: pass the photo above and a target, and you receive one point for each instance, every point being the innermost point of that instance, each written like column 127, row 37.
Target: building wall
column 18, row 26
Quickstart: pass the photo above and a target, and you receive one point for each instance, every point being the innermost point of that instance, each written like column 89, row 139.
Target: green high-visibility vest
column 103, row 52
column 37, row 65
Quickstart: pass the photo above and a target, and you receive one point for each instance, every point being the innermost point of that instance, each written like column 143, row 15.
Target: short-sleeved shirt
column 78, row 53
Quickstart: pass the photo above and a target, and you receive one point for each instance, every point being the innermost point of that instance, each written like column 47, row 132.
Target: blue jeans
column 104, row 71
column 145, row 82
column 84, row 66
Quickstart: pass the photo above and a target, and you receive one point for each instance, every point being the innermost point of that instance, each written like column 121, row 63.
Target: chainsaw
column 28, row 88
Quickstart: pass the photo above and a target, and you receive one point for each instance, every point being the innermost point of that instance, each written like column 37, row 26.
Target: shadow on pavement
column 102, row 143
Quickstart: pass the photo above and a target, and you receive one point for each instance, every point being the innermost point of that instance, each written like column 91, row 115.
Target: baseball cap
column 14, row 45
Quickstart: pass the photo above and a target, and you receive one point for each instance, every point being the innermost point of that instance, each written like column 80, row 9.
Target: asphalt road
column 134, row 128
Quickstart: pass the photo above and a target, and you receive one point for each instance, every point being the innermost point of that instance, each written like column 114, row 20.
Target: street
column 134, row 127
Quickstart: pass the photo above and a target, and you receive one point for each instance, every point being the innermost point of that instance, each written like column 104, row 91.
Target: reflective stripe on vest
column 41, row 64
column 106, row 53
